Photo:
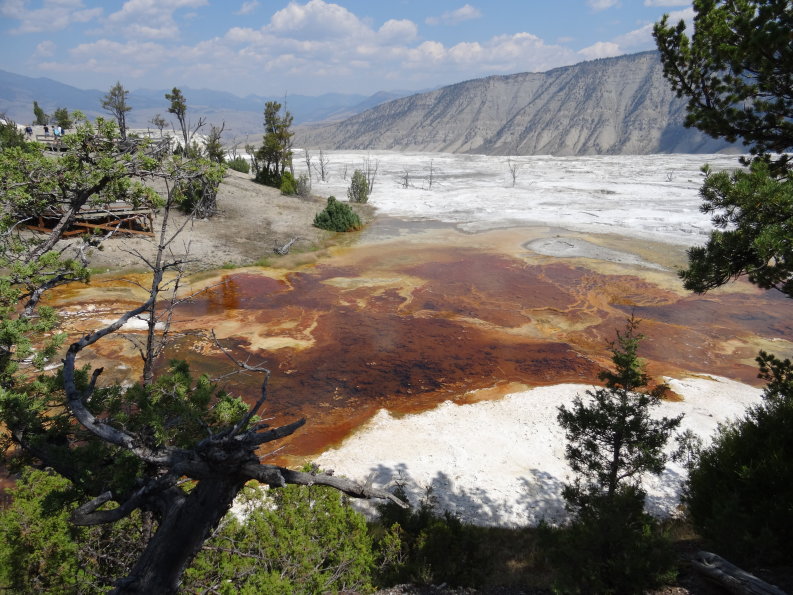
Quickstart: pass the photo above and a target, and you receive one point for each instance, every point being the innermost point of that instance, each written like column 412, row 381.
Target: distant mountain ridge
column 243, row 115
column 619, row 105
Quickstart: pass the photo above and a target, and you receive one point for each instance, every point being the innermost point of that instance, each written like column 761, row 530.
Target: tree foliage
column 753, row 213
column 214, row 145
column 239, row 164
column 288, row 184
column 275, row 154
column 427, row 546
column 740, row 490
column 62, row 118
column 736, row 70
column 38, row 545
column 612, row 545
column 158, row 122
column 613, row 440
column 12, row 136
column 359, row 187
column 115, row 103
column 300, row 539
column 337, row 216
column 178, row 107
column 40, row 117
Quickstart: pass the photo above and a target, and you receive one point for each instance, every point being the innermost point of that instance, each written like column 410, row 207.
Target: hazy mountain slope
column 243, row 115
column 611, row 106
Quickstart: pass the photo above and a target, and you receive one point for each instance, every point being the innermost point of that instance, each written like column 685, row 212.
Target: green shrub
column 11, row 136
column 41, row 551
column 740, row 490
column 337, row 216
column 288, row 184
column 239, row 164
column 296, row 539
column 198, row 196
column 359, row 187
column 303, row 185
column 422, row 545
column 38, row 549
column 268, row 178
column 612, row 546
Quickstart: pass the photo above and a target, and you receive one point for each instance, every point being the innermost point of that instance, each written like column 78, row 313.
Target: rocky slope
column 617, row 105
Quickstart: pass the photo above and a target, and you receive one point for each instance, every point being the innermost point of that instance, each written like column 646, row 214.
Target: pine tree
column 115, row 103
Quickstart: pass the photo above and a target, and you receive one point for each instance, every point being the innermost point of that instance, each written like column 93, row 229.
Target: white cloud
column 520, row 52
column 667, row 2
column 687, row 15
column 311, row 45
column 640, row 38
column 248, row 7
column 316, row 20
column 601, row 49
column 637, row 40
column 598, row 5
column 134, row 59
column 149, row 19
column 45, row 49
column 454, row 17
column 53, row 15
column 398, row 30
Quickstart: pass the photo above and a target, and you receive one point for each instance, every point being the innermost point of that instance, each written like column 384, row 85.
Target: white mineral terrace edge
column 502, row 462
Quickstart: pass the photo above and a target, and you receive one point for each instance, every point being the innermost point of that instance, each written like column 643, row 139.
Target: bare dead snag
column 284, row 250
column 730, row 577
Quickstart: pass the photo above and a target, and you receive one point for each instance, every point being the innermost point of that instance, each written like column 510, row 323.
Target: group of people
column 57, row 131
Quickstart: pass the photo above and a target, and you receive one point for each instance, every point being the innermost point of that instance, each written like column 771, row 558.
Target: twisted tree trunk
column 188, row 520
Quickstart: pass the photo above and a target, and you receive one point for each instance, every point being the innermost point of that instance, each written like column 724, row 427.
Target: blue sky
column 271, row 47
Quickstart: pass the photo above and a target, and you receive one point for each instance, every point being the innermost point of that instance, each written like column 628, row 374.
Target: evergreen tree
column 612, row 545
column 115, row 103
column 275, row 154
column 359, row 188
column 612, row 440
column 737, row 71
column 61, row 117
column 178, row 107
column 11, row 136
column 40, row 117
column 337, row 216
column 740, row 490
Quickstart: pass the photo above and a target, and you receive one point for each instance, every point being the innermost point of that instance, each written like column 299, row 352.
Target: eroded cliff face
column 617, row 105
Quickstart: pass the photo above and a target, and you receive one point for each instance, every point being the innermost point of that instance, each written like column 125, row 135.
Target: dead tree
column 284, row 250
column 323, row 166
column 308, row 163
column 514, row 168
column 370, row 168
column 431, row 176
column 730, row 577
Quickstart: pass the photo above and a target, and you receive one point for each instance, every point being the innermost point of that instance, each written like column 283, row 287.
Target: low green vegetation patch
column 337, row 216
column 239, row 164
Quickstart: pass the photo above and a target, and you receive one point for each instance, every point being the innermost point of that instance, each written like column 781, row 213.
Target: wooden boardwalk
column 118, row 217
